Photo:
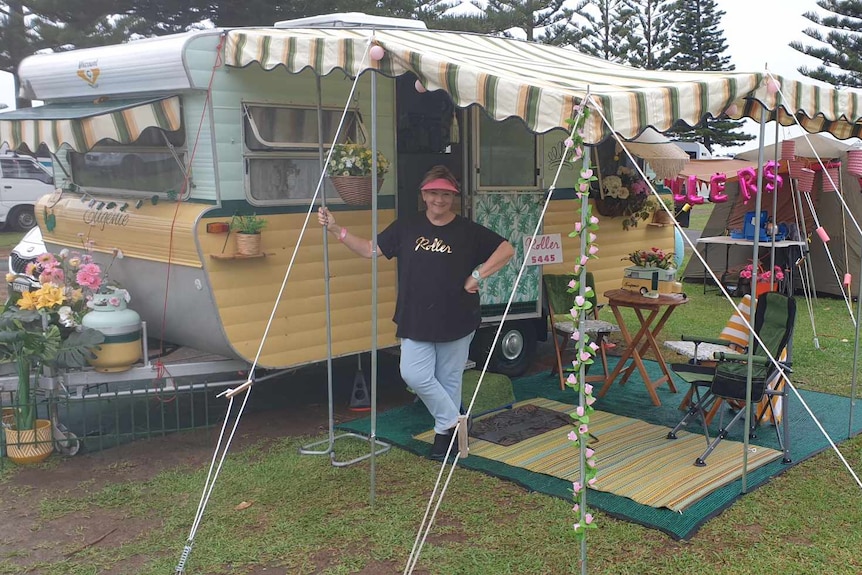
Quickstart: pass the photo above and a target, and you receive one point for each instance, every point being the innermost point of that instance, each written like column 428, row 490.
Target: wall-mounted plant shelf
column 238, row 256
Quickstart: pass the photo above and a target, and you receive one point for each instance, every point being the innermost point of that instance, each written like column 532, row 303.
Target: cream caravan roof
column 541, row 84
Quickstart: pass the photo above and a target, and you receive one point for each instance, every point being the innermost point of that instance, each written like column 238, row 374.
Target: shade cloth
column 541, row 84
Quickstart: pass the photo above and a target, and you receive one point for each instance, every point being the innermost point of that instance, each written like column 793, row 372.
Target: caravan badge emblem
column 88, row 71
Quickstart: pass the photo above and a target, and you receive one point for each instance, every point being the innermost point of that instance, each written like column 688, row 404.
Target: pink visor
column 441, row 184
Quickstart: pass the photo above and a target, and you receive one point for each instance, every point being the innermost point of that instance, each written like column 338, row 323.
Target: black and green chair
column 727, row 379
column 559, row 301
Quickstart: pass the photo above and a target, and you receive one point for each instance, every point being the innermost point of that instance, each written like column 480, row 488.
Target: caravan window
column 281, row 150
column 147, row 165
column 507, row 154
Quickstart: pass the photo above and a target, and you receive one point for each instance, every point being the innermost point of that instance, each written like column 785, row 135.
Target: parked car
column 23, row 180
column 28, row 249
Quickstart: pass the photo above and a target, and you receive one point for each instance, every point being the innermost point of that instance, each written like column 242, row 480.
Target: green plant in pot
column 247, row 228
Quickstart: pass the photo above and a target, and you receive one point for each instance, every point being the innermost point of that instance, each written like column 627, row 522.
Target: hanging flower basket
column 854, row 162
column 354, row 190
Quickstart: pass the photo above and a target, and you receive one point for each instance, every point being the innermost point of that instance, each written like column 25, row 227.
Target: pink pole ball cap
column 441, row 184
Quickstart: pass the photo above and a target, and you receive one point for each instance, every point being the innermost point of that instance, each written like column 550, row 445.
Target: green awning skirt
column 82, row 125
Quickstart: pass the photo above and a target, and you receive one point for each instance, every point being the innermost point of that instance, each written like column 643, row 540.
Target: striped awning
column 83, row 124
column 541, row 84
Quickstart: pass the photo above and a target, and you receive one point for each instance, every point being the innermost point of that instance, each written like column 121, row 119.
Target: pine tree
column 840, row 49
column 605, row 30
column 698, row 44
column 648, row 46
column 537, row 20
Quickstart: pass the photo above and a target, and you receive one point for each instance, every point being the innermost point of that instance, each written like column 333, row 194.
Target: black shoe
column 441, row 444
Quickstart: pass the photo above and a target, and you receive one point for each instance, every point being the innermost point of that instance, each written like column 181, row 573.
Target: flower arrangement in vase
column 350, row 172
column 652, row 258
column 44, row 329
column 764, row 277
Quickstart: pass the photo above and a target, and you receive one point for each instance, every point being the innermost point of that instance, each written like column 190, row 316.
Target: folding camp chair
column 773, row 322
column 562, row 325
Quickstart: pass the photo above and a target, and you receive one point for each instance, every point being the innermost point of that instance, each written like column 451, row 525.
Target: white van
column 23, row 180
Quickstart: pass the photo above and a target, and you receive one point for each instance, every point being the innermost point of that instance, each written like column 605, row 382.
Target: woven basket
column 29, row 446
column 354, row 190
column 248, row 244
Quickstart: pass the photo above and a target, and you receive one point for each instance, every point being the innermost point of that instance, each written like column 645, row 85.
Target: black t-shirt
column 433, row 264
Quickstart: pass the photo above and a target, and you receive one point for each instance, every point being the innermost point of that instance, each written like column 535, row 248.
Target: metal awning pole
column 855, row 348
column 373, row 438
column 758, row 203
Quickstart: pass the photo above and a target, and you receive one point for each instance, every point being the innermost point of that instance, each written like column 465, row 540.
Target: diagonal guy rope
column 748, row 325
column 212, row 475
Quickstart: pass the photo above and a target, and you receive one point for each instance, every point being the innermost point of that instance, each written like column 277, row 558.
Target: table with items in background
column 652, row 314
column 728, row 242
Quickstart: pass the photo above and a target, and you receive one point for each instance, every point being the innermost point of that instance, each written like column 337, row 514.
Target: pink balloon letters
column 770, row 174
column 748, row 180
column 675, row 187
column 692, row 197
column 716, row 188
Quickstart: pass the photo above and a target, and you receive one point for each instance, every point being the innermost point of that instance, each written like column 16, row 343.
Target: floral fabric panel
column 513, row 215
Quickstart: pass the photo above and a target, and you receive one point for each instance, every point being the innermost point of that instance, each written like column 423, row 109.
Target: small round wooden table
column 649, row 329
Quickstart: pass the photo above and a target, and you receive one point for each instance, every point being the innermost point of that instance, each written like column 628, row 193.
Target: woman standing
column 442, row 257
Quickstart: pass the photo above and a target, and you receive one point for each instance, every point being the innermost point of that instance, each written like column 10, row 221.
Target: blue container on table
column 750, row 224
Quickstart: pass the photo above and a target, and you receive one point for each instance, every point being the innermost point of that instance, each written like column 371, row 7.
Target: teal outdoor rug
column 400, row 425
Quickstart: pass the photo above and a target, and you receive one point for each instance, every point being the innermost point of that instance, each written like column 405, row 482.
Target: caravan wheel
column 514, row 352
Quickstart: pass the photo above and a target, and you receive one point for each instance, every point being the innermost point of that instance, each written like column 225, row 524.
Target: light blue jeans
column 435, row 371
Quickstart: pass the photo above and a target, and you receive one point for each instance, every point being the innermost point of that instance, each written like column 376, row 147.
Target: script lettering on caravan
column 435, row 245
column 100, row 219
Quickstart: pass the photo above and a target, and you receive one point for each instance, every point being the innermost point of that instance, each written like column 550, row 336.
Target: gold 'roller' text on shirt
column 435, row 245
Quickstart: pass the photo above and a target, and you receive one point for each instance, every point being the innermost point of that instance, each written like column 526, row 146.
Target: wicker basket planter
column 247, row 244
column 30, row 446
column 354, row 190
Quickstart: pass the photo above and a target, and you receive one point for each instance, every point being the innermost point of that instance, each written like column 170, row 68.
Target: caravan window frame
column 257, row 147
column 481, row 116
column 108, row 154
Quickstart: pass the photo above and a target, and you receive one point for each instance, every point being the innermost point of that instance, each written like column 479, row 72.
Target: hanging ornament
column 772, row 86
column 377, row 52
column 419, row 87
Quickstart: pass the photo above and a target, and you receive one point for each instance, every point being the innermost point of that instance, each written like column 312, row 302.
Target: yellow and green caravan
column 160, row 142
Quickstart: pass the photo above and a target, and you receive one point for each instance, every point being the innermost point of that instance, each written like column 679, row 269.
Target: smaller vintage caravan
column 160, row 142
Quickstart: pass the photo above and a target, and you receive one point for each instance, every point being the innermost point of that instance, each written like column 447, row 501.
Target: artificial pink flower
column 89, row 276
column 583, row 429
column 580, row 410
column 568, row 142
column 588, row 518
column 590, row 452
column 580, row 300
column 588, row 389
column 578, row 227
column 572, row 436
column 576, row 486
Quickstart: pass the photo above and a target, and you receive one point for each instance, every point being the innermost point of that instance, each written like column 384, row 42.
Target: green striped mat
column 635, row 459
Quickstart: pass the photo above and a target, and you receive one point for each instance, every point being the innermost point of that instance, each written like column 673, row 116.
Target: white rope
column 427, row 523
column 209, row 483
column 744, row 320
column 802, row 269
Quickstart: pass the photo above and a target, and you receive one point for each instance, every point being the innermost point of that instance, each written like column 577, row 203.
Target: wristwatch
column 475, row 274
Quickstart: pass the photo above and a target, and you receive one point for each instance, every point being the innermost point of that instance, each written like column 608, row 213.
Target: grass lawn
column 9, row 240
column 274, row 511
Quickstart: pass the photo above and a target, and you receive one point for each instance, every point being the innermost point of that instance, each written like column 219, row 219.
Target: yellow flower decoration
column 27, row 301
column 48, row 296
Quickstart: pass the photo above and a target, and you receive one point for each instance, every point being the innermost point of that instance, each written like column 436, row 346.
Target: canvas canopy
column 83, row 124
column 541, row 84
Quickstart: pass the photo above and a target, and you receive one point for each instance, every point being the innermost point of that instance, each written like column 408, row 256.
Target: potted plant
column 659, row 214
column 40, row 329
column 764, row 277
column 350, row 172
column 625, row 194
column 247, row 228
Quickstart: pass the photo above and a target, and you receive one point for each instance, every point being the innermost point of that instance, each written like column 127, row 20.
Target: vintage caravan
column 160, row 142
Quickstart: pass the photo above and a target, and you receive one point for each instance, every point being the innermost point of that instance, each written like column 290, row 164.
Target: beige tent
column 845, row 244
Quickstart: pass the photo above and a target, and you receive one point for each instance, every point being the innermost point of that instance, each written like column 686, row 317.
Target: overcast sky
column 757, row 32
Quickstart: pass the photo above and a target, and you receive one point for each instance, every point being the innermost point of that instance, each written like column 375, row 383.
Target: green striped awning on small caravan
column 541, row 84
column 82, row 124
